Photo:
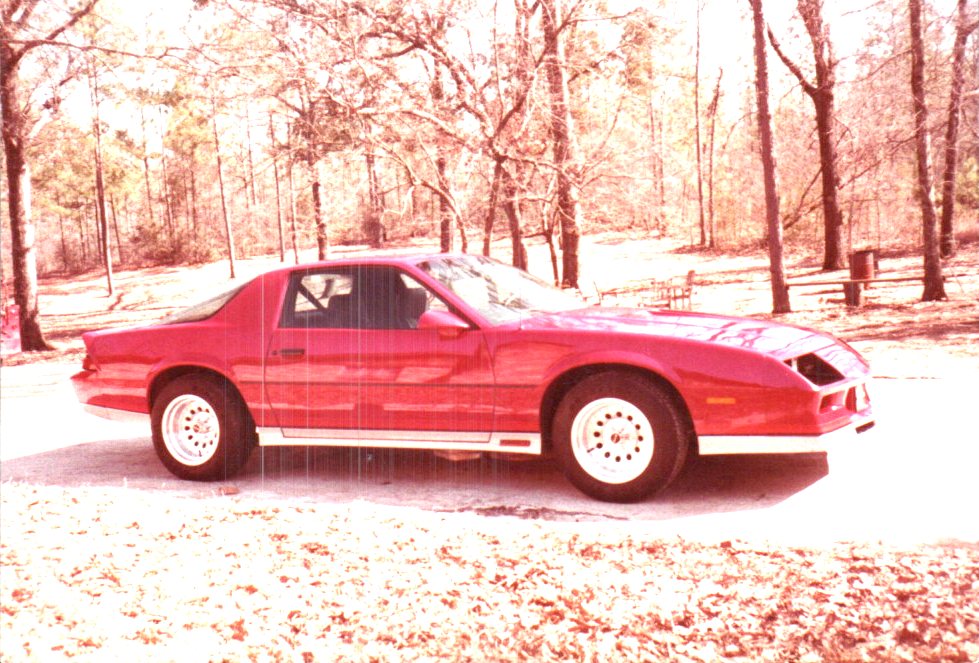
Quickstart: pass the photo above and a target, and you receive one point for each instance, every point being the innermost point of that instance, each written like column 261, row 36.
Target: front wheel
column 619, row 437
column 200, row 429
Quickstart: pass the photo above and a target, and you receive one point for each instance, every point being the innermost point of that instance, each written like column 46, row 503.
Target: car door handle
column 292, row 352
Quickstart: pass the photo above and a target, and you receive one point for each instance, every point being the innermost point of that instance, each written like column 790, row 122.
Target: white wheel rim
column 191, row 430
column 612, row 440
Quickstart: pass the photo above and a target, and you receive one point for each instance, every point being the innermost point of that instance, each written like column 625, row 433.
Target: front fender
column 632, row 359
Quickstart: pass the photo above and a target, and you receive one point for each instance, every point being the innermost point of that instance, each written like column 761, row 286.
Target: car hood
column 760, row 336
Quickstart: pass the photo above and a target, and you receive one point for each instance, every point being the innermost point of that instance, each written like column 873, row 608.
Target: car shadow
column 532, row 488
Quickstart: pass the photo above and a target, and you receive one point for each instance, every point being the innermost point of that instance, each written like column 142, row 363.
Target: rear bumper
column 718, row 445
column 107, row 400
column 114, row 414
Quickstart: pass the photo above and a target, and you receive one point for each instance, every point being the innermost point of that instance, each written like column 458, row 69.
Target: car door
column 347, row 360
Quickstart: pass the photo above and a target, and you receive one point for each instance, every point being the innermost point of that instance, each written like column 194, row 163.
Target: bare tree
column 17, row 38
column 934, row 281
column 103, row 221
column 712, row 115
column 441, row 170
column 229, row 234
column 563, row 141
column 373, row 224
column 278, row 196
column 780, row 293
column 963, row 28
column 696, row 123
column 146, row 162
column 822, row 93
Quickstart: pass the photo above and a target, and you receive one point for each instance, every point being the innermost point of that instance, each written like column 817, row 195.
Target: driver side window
column 369, row 297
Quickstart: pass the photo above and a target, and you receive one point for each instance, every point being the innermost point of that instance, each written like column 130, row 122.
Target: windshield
column 499, row 292
column 203, row 310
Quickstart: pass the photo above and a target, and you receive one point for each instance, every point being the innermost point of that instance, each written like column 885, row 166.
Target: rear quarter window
column 204, row 309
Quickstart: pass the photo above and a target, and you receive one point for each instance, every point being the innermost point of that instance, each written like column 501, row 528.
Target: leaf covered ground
column 116, row 574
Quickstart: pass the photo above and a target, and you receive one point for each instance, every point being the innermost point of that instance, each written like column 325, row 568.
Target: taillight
column 831, row 402
column 88, row 363
column 858, row 398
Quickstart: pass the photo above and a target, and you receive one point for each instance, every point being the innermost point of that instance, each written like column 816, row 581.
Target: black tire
column 619, row 437
column 201, row 429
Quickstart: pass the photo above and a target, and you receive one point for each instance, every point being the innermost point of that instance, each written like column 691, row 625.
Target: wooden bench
column 853, row 288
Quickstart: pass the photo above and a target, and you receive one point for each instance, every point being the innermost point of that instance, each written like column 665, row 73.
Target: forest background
column 139, row 135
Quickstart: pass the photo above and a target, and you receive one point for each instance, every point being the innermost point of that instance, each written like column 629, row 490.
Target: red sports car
column 463, row 354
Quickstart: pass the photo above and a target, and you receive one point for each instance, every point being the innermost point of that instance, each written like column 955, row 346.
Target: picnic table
column 853, row 288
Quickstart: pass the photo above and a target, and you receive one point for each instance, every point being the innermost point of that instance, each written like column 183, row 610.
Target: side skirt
column 517, row 443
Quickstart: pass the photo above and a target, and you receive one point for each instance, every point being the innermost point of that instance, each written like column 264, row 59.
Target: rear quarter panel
column 231, row 343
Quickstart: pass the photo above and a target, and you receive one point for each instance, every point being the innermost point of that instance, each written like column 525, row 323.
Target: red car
column 463, row 354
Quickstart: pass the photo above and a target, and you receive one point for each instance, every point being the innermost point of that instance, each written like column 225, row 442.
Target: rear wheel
column 619, row 437
column 201, row 429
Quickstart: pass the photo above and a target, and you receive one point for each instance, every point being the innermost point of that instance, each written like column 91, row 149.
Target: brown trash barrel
column 862, row 264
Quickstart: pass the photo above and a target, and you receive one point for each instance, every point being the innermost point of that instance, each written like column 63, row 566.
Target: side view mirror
column 448, row 325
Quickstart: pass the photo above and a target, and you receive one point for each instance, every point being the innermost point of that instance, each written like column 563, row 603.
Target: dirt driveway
column 910, row 480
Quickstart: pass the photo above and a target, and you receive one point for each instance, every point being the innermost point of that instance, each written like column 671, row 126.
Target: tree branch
column 809, row 88
column 12, row 8
column 27, row 45
column 31, row 43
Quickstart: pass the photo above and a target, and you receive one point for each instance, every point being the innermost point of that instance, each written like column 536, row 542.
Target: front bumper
column 719, row 445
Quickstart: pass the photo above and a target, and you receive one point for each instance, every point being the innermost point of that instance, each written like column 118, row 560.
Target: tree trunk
column 96, row 214
column 822, row 95
column 446, row 215
column 491, row 207
column 780, row 293
column 934, row 289
column 146, row 165
column 82, row 241
column 115, row 227
column 292, row 213
column 712, row 113
column 64, row 243
column 511, row 206
column 962, row 31
column 563, row 142
column 103, row 220
column 167, row 197
column 229, row 234
column 278, row 196
column 193, row 191
column 251, row 161
column 547, row 229
column 373, row 227
column 443, row 210
column 832, row 216
column 696, row 124
column 23, row 252
column 322, row 236
column 656, row 169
